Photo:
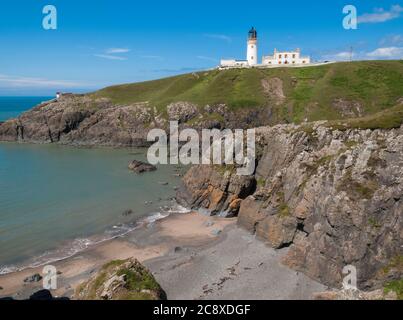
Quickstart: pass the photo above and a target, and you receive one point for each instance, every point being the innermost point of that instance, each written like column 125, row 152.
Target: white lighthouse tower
column 251, row 53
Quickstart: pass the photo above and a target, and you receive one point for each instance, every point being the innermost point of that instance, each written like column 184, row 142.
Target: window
column 269, row 62
column 286, row 56
column 251, row 46
column 279, row 62
column 279, row 56
column 303, row 61
column 293, row 62
column 293, row 55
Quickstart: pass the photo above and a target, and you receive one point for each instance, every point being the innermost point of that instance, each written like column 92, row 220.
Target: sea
column 56, row 201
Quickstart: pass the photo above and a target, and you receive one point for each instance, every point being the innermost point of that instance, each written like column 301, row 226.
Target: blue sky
column 99, row 43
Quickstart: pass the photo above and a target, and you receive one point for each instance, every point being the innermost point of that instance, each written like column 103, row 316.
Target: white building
column 228, row 63
column 285, row 58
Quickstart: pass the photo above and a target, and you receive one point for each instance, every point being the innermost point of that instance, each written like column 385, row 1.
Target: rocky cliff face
column 85, row 120
column 335, row 198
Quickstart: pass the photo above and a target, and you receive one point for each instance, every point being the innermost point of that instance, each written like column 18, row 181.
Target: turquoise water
column 11, row 107
column 57, row 200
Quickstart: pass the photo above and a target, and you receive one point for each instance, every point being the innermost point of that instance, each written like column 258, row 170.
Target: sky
column 100, row 43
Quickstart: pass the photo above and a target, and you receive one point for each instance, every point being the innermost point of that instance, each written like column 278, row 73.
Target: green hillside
column 332, row 91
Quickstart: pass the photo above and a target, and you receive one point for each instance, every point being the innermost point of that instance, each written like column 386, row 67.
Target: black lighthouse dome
column 252, row 34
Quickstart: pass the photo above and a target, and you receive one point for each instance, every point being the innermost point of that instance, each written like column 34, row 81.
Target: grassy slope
column 310, row 91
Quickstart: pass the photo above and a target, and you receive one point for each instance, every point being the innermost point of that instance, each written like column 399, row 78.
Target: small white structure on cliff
column 283, row 58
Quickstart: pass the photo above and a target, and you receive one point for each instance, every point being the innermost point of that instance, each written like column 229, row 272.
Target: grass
column 356, row 189
column 310, row 91
column 138, row 280
column 396, row 286
column 282, row 210
column 395, row 263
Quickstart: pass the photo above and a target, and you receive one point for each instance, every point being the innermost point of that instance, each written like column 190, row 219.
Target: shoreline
column 171, row 248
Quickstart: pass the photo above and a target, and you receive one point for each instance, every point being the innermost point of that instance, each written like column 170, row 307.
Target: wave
column 78, row 245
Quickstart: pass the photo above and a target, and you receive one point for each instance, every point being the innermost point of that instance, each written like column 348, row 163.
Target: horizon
column 123, row 42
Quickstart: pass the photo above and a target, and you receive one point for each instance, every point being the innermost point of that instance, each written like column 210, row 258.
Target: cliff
column 333, row 196
column 239, row 98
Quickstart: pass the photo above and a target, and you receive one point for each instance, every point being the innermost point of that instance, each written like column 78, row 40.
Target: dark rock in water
column 127, row 212
column 140, row 166
column 1, row 288
column 34, row 278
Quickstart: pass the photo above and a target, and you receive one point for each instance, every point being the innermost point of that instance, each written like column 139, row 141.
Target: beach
column 191, row 255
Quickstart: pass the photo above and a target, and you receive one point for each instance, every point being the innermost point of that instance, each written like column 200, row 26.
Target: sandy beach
column 191, row 255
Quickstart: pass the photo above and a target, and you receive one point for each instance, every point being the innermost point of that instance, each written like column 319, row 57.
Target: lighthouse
column 251, row 53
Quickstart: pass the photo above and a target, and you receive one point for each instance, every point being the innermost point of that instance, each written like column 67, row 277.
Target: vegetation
column 137, row 284
column 356, row 189
column 283, row 209
column 374, row 86
column 396, row 286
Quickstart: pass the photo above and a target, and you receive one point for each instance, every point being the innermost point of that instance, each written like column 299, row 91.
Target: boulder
column 140, row 166
column 34, row 278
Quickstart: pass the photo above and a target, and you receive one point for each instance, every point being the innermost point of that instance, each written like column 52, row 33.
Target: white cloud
column 151, row 57
column 395, row 39
column 379, row 53
column 21, row 82
column 339, row 56
column 117, row 50
column 381, row 15
column 110, row 57
column 113, row 54
column 222, row 37
column 389, row 52
column 207, row 58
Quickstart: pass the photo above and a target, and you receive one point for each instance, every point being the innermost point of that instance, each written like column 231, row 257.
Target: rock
column 121, row 280
column 127, row 212
column 278, row 231
column 216, row 232
column 332, row 196
column 181, row 111
column 34, row 278
column 209, row 223
column 215, row 190
column 351, row 294
column 273, row 88
column 163, row 183
column 139, row 166
column 41, row 295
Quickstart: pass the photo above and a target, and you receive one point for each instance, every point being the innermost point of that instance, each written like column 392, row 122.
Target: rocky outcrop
column 181, row 111
column 214, row 190
column 139, row 167
column 87, row 120
column 121, row 280
column 335, row 198
column 82, row 120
